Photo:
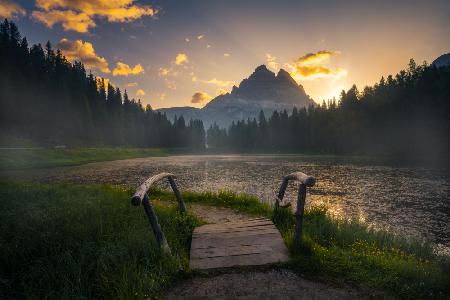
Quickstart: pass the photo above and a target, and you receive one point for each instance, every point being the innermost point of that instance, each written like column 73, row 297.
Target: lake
column 409, row 200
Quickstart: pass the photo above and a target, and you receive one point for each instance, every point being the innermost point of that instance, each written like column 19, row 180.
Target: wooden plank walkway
column 244, row 243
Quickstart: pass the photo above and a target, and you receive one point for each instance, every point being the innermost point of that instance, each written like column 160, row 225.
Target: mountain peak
column 261, row 72
column 262, row 90
column 261, row 68
column 284, row 76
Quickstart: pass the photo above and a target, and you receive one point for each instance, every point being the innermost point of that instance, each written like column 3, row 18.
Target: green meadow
column 88, row 241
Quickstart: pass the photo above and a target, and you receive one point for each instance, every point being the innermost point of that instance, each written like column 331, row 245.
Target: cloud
column 69, row 19
column 187, row 40
column 11, row 10
column 271, row 62
column 181, row 58
column 312, row 66
column 220, row 91
column 84, row 52
column 220, row 83
column 316, row 58
column 80, row 15
column 164, row 72
column 200, row 36
column 161, row 96
column 226, row 54
column 200, row 97
column 132, row 84
column 171, row 85
column 123, row 69
column 140, row 93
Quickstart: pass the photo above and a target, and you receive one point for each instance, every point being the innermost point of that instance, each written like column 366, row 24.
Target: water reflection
column 407, row 199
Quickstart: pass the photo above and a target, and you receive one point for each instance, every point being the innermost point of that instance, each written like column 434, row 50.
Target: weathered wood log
column 177, row 194
column 302, row 177
column 141, row 197
column 305, row 181
column 143, row 188
column 157, row 231
column 301, row 197
column 281, row 191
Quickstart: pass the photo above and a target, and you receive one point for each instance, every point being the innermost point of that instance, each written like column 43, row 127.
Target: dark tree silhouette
column 45, row 98
column 404, row 116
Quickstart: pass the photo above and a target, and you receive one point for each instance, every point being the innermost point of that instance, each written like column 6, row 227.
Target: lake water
column 409, row 200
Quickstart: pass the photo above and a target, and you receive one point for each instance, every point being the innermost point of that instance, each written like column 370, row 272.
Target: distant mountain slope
column 262, row 90
column 186, row 111
column 442, row 61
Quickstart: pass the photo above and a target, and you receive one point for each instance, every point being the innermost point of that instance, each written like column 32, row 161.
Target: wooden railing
column 305, row 181
column 141, row 197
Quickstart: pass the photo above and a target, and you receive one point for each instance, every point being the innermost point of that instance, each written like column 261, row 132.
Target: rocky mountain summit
column 262, row 90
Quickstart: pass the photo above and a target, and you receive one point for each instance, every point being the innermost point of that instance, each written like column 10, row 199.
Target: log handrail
column 140, row 196
column 305, row 181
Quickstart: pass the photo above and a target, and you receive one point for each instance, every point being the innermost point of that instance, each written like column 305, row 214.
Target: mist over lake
column 410, row 200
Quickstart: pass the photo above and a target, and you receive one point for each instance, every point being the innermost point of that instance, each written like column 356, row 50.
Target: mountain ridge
column 262, row 90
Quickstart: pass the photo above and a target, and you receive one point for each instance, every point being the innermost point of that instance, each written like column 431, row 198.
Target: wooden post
column 299, row 213
column 177, row 194
column 153, row 219
column 281, row 191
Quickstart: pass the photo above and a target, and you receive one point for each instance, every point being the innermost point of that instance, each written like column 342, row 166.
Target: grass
column 13, row 159
column 242, row 202
column 62, row 242
column 65, row 241
column 347, row 250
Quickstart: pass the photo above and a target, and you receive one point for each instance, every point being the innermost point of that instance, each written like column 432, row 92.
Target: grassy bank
column 347, row 251
column 26, row 158
column 66, row 241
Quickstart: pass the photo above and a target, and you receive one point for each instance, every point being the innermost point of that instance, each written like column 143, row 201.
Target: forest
column 51, row 101
column 403, row 116
column 47, row 99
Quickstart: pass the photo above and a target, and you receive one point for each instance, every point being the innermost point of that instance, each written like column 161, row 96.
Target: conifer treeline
column 405, row 115
column 50, row 100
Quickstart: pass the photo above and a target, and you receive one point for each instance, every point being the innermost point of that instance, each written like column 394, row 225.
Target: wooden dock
column 244, row 243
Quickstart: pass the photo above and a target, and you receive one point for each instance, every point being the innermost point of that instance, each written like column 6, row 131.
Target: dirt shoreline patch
column 271, row 284
column 257, row 283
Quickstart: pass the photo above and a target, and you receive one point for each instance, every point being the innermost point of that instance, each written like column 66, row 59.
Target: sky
column 184, row 53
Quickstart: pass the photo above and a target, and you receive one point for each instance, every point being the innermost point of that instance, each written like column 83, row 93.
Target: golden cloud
column 220, row 91
column 123, row 69
column 161, row 96
column 181, row 58
column 171, row 85
column 78, row 15
column 271, row 62
column 311, row 66
column 70, row 20
column 11, row 10
column 132, row 84
column 84, row 52
column 200, row 97
column 220, row 83
column 140, row 93
column 226, row 54
column 163, row 72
